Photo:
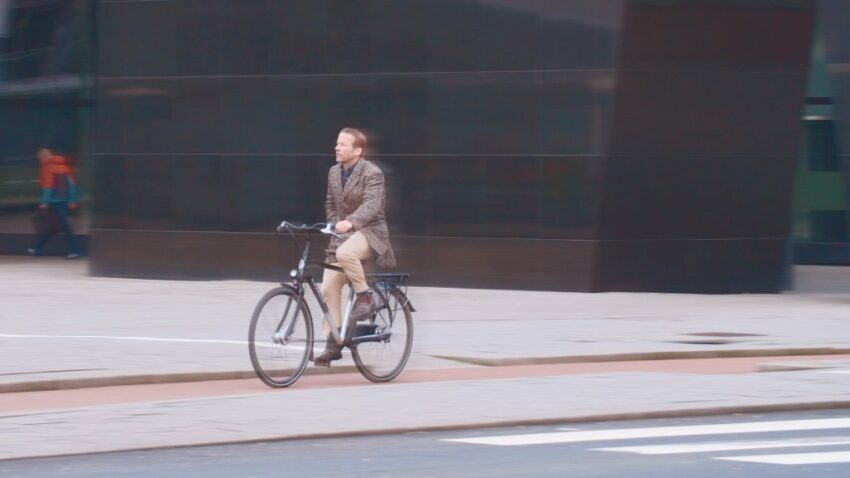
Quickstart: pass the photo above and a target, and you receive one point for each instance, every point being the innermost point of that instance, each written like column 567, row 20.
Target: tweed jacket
column 362, row 202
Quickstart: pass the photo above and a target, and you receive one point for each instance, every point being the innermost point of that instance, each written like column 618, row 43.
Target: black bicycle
column 281, row 336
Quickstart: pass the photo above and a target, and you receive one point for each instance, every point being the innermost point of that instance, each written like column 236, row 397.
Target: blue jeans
column 61, row 210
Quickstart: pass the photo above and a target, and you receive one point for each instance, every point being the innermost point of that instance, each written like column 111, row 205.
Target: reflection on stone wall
column 569, row 145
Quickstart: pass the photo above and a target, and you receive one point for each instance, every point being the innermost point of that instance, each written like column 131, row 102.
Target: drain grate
column 714, row 338
column 705, row 342
column 724, row 334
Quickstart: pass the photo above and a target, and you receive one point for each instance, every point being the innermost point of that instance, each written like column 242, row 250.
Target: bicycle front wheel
column 280, row 337
column 382, row 358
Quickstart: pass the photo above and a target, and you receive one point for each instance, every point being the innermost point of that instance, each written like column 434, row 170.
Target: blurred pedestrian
column 58, row 198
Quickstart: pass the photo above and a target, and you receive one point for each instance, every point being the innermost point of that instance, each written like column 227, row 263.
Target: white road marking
column 110, row 337
column 794, row 458
column 676, row 448
column 260, row 345
column 675, row 431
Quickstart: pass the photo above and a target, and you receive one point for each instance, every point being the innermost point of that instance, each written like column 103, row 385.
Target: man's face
column 346, row 153
column 44, row 155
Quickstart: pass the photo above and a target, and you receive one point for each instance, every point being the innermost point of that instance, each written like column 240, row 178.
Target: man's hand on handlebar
column 343, row 227
column 320, row 227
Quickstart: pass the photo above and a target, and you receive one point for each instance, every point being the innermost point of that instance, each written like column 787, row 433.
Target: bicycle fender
column 290, row 288
column 412, row 309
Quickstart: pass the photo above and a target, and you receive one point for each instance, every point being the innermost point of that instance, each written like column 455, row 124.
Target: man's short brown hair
column 360, row 140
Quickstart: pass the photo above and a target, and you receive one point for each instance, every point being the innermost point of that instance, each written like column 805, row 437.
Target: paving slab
column 369, row 409
column 58, row 325
column 61, row 328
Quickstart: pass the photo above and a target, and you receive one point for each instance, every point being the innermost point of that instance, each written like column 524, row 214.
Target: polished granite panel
column 458, row 113
column 112, row 25
column 692, row 266
column 132, row 38
column 246, row 30
column 463, row 196
column 142, row 116
column 533, row 134
column 108, row 121
column 186, row 255
column 563, row 265
column 196, row 195
column 197, row 124
column 432, row 261
column 703, row 147
column 140, row 191
column 249, row 37
column 720, row 112
column 258, row 192
column 208, row 192
column 693, row 197
column 685, row 89
column 840, row 89
column 766, row 36
column 256, row 119
column 199, row 46
column 149, row 119
column 110, row 204
column 833, row 18
column 150, row 192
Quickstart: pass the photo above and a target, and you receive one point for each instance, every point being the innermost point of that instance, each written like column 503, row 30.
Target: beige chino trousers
column 349, row 256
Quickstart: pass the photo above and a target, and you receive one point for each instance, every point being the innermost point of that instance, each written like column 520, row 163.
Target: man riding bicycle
column 355, row 203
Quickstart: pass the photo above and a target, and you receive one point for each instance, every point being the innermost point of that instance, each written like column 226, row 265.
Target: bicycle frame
column 301, row 276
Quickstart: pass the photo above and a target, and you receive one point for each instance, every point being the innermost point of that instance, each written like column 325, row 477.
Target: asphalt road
column 768, row 446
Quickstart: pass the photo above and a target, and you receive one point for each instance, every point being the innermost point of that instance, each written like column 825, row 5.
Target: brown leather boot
column 332, row 352
column 364, row 306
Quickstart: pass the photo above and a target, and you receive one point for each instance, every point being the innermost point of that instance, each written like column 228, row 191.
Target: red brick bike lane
column 96, row 396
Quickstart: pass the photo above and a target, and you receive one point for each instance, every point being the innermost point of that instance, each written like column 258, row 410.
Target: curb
column 642, row 356
column 147, row 379
column 615, row 417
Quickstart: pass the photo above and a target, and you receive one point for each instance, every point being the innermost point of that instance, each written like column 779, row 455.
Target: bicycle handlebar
column 320, row 227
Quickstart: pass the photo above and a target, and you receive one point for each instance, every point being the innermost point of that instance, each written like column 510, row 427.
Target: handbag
column 46, row 222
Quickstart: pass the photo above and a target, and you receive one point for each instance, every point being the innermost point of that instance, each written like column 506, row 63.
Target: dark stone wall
column 564, row 145
column 704, row 143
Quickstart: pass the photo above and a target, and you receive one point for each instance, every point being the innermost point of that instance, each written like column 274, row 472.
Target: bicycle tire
column 279, row 358
column 382, row 361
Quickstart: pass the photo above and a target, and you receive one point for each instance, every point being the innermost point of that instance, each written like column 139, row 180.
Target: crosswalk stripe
column 794, row 458
column 677, row 448
column 654, row 432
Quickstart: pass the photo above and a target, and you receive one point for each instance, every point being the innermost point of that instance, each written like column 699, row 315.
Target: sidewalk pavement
column 61, row 329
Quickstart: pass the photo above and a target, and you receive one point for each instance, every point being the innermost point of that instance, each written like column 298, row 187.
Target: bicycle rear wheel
column 280, row 337
column 383, row 358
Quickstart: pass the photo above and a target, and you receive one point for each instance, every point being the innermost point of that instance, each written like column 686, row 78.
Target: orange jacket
column 57, row 168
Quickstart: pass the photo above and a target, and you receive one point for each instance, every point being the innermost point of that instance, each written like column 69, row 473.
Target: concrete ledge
column 144, row 379
column 627, row 357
